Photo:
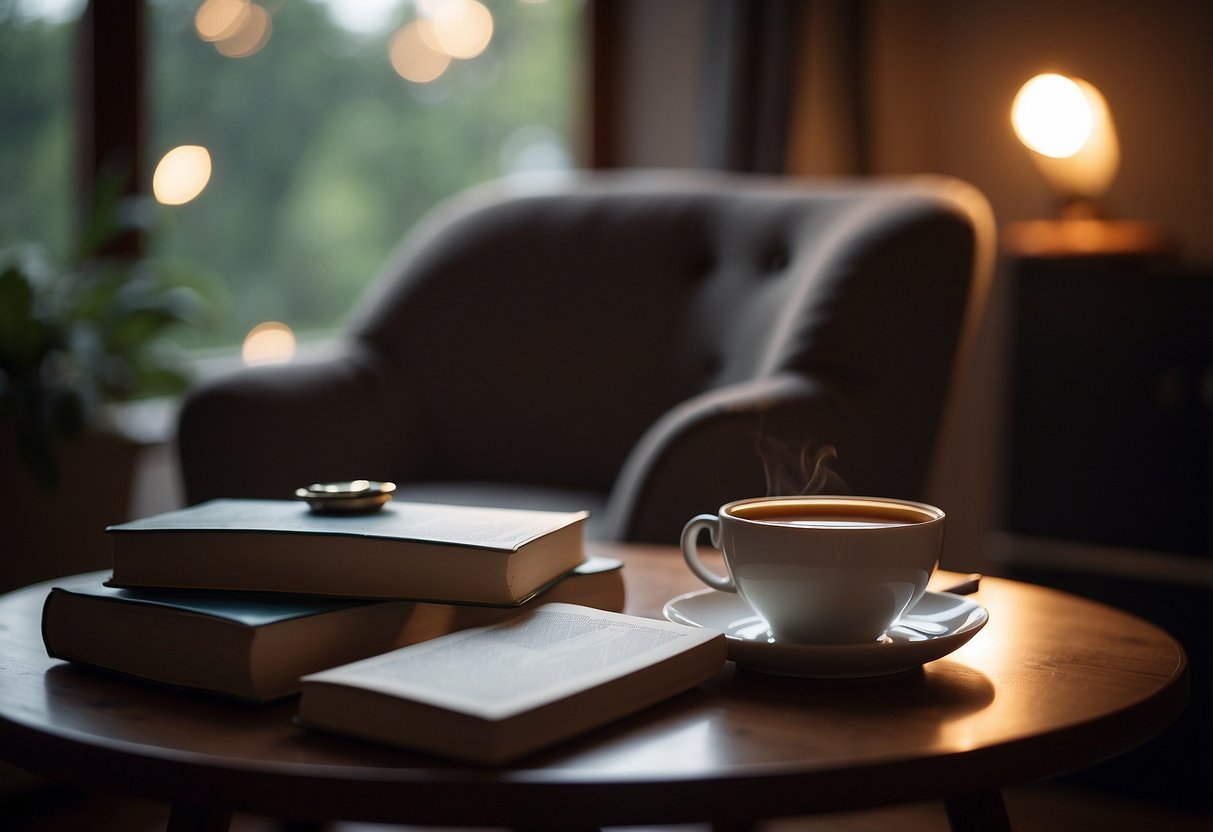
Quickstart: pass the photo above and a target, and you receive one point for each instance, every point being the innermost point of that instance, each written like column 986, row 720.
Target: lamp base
column 1087, row 237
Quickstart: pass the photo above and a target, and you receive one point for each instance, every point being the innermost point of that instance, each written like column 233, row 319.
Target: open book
column 494, row 693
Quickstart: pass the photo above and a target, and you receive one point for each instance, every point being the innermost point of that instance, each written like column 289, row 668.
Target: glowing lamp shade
column 1052, row 116
column 1066, row 124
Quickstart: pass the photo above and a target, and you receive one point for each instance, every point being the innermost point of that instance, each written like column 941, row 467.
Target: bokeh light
column 461, row 28
column 271, row 342
column 219, row 19
column 236, row 28
column 412, row 56
column 253, row 34
column 444, row 30
column 181, row 174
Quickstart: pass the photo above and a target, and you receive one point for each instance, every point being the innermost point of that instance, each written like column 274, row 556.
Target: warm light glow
column 268, row 343
column 461, row 28
column 412, row 56
column 437, row 8
column 252, row 34
column 1051, row 115
column 218, row 19
column 181, row 175
column 1067, row 123
column 444, row 29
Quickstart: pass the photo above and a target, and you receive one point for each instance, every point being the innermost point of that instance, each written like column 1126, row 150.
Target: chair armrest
column 733, row 442
column 264, row 431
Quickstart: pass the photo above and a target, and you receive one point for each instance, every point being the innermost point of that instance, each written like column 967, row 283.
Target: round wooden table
column 1053, row 683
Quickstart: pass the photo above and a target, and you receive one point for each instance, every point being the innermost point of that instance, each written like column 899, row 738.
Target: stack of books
column 262, row 599
column 244, row 597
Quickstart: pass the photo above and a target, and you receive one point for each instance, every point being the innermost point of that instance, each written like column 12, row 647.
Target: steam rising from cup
column 800, row 469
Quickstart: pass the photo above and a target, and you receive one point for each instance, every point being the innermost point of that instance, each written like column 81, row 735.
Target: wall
column 941, row 78
column 944, row 74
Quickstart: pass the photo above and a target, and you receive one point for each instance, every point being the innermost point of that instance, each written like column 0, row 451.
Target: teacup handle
column 690, row 551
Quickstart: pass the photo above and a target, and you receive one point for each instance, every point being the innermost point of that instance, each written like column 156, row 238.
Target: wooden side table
column 1051, row 684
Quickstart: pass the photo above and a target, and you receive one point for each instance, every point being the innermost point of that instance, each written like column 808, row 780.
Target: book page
column 492, row 528
column 503, row 669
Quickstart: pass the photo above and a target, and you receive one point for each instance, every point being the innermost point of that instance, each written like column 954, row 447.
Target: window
column 323, row 152
column 37, row 120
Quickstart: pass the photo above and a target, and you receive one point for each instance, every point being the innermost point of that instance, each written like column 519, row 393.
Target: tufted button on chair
column 643, row 345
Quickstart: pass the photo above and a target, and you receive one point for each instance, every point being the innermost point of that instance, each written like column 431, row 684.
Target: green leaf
column 24, row 338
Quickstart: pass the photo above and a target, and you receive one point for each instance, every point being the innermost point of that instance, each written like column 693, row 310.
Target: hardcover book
column 257, row 646
column 417, row 551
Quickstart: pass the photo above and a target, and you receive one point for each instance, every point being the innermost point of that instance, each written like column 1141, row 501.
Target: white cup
column 822, row 569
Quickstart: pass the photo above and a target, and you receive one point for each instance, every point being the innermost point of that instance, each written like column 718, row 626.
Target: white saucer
column 952, row 619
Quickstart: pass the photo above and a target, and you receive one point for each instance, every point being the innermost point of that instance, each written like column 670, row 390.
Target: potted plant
column 75, row 339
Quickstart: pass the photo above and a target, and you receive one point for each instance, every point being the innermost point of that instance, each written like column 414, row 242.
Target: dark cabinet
column 1109, row 489
column 1112, row 406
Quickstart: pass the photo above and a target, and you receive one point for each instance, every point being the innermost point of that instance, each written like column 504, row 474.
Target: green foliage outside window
column 36, row 131
column 324, row 157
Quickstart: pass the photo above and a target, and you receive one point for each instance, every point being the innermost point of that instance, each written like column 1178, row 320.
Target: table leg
column 981, row 811
column 186, row 818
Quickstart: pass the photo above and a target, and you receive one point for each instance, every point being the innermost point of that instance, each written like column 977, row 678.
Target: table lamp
column 1067, row 126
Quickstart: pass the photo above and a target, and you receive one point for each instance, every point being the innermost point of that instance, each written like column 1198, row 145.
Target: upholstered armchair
column 643, row 345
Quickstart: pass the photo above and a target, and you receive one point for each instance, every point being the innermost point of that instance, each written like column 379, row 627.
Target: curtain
column 750, row 64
